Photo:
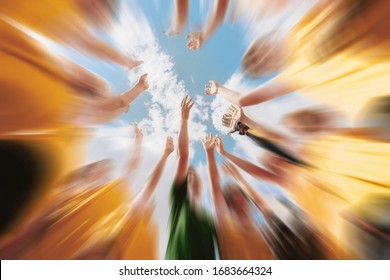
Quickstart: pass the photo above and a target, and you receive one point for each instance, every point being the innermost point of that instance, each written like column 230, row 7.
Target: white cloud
column 135, row 35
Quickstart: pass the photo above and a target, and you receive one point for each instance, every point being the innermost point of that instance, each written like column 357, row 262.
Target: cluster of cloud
column 134, row 35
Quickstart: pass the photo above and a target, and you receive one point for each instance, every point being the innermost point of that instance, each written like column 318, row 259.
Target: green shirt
column 192, row 234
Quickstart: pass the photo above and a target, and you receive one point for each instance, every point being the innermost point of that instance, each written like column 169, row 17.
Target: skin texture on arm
column 247, row 166
column 155, row 176
column 197, row 39
column 218, row 199
column 180, row 17
column 183, row 141
column 263, row 93
column 84, row 81
column 232, row 171
column 86, row 42
column 135, row 159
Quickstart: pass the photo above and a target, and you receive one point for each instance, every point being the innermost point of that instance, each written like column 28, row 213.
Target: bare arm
column 218, row 199
column 239, row 116
column 105, row 109
column 197, row 39
column 232, row 171
column 263, row 93
column 155, row 176
column 135, row 159
column 183, row 142
column 84, row 81
column 247, row 166
column 180, row 17
column 87, row 42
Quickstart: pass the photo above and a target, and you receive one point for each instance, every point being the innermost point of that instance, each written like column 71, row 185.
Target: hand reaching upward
column 195, row 40
column 186, row 105
column 237, row 114
column 169, row 146
column 219, row 145
column 212, row 88
column 143, row 81
column 208, row 143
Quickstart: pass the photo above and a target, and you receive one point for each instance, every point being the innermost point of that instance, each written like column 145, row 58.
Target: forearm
column 154, row 177
column 252, row 194
column 265, row 92
column 103, row 50
column 230, row 95
column 181, row 11
column 130, row 95
column 216, row 19
column 183, row 151
column 250, row 168
column 135, row 159
column 214, row 178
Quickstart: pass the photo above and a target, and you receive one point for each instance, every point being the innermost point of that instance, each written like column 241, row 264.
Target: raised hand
column 229, row 122
column 219, row 145
column 237, row 114
column 138, row 132
column 143, row 81
column 212, row 88
column 186, row 105
column 169, row 146
column 208, row 143
column 195, row 40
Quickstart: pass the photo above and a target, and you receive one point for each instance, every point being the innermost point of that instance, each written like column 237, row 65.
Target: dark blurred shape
column 351, row 24
column 21, row 175
column 299, row 241
column 263, row 57
column 310, row 121
column 370, row 226
column 376, row 117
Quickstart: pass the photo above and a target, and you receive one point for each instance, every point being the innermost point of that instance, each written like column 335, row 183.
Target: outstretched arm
column 105, row 109
column 247, row 166
column 84, row 81
column 263, row 93
column 147, row 191
column 135, row 159
column 85, row 41
column 180, row 17
column 183, row 142
column 232, row 171
column 197, row 39
column 218, row 199
column 238, row 115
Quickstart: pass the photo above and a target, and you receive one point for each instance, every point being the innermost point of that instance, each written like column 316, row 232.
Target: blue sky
column 219, row 59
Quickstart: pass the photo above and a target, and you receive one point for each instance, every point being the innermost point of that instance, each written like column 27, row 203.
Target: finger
column 189, row 107
column 184, row 100
column 190, row 43
column 232, row 108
